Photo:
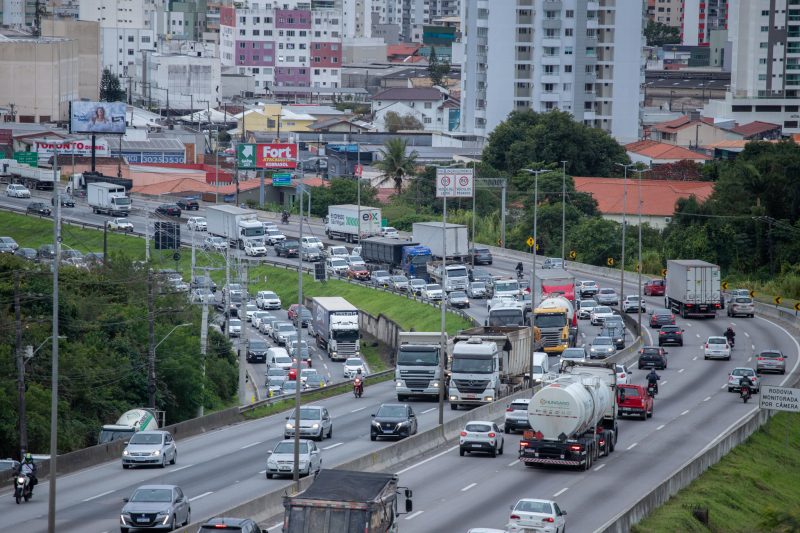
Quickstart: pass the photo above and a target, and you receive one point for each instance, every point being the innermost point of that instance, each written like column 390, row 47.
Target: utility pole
column 535, row 228
column 624, row 224
column 563, row 210
column 298, row 358
column 23, row 422
column 147, row 237
column 105, row 244
column 503, row 215
column 203, row 350
column 51, row 502
column 151, row 343
column 239, row 353
column 639, row 317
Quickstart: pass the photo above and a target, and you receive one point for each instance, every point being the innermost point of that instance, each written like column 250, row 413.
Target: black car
column 203, row 282
column 170, row 210
column 27, row 253
column 616, row 332
column 305, row 317
column 257, row 351
column 226, row 523
column 288, row 248
column 480, row 256
column 393, row 420
column 662, row 317
column 38, row 208
column 47, row 252
column 653, row 357
column 479, row 274
column 188, row 204
column 670, row 335
column 65, row 200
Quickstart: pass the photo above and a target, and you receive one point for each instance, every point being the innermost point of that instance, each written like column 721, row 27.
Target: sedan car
column 632, row 304
column 215, row 244
column 399, row 283
column 623, row 374
column 64, row 199
column 741, row 306
column 188, row 204
column 458, row 299
column 735, row 377
column 11, row 244
column 352, row 365
column 432, row 292
column 607, row 297
column 662, row 317
column 479, row 256
column 670, row 335
column 393, row 420
column 288, row 248
column 315, row 423
column 281, row 459
column 120, row 224
column 197, row 224
column 599, row 313
column 540, row 516
column 15, row 190
column 477, row 289
column 163, row 507
column 169, row 210
column 602, row 347
column 381, row 278
column 771, row 361
column 26, row 253
column 38, row 208
column 652, row 357
column 481, row 436
column 717, row 348
column 150, row 448
column 655, row 287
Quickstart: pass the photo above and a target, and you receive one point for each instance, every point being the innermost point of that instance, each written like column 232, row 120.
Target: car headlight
column 272, row 463
column 289, row 425
column 125, row 453
column 436, row 384
column 124, row 518
column 376, row 423
column 315, row 426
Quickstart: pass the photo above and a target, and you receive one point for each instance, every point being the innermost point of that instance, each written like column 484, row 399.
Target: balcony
column 524, row 55
column 555, row 79
column 522, row 92
column 552, row 5
column 550, row 96
column 524, row 20
column 551, row 24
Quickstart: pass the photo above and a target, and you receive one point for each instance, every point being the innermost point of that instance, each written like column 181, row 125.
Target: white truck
column 488, row 363
column 129, row 423
column 430, row 234
column 457, row 276
column 335, row 326
column 693, row 288
column 574, row 418
column 418, row 371
column 506, row 311
column 32, row 177
column 109, row 199
column 234, row 224
column 342, row 222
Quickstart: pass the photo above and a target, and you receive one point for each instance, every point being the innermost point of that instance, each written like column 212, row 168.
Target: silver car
column 281, row 459
column 517, row 415
column 282, row 331
column 585, row 309
column 381, row 278
column 477, row 289
column 416, row 286
column 315, row 423
column 216, row 244
column 607, row 297
column 351, row 367
column 150, row 448
column 602, row 347
column 771, row 361
column 309, row 252
column 741, row 306
column 399, row 283
column 155, row 507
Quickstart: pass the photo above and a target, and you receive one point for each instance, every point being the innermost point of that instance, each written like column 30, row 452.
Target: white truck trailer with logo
column 129, row 422
column 342, row 222
column 335, row 326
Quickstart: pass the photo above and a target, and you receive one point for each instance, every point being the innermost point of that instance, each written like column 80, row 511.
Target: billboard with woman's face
column 97, row 117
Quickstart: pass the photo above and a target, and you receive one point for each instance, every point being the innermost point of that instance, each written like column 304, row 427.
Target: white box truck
column 693, row 288
column 335, row 326
column 342, row 222
column 430, row 234
column 234, row 224
column 109, row 199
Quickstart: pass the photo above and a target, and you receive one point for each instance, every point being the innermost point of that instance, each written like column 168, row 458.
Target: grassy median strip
column 753, row 488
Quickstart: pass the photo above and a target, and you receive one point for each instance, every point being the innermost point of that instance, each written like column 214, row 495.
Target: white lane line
column 632, row 446
column 752, row 346
column 513, row 463
column 465, row 489
column 664, row 382
column 660, row 427
column 415, row 465
column 746, row 334
column 264, row 472
column 414, row 515
column 357, row 410
column 683, row 413
column 723, row 386
column 689, row 324
column 250, row 445
column 698, row 335
column 106, row 493
column 599, row 467
column 325, row 365
column 201, row 496
column 706, row 398
column 559, row 493
column 429, row 410
column 274, row 526
column 694, row 358
column 681, row 370
column 180, row 468
column 333, row 446
column 749, row 359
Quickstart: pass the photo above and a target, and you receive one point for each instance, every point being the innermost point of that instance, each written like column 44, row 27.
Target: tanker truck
column 556, row 321
column 572, row 419
column 129, row 422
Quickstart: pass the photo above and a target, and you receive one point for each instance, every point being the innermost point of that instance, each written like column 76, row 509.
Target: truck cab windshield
column 417, row 357
column 506, row 286
column 120, row 200
column 506, row 317
column 472, row 366
column 459, row 272
column 550, row 321
column 108, row 435
column 253, row 232
column 346, row 336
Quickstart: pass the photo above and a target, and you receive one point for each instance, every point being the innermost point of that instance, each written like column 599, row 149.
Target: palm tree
column 395, row 164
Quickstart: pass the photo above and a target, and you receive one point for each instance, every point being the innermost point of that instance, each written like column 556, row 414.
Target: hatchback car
column 150, row 448
column 315, row 423
column 540, row 516
column 607, row 297
column 27, row 253
column 587, row 288
column 616, row 331
column 188, row 204
column 662, row 317
column 120, row 224
column 351, row 367
column 390, row 232
column 717, row 348
column 281, row 458
column 38, row 208
column 655, row 287
column 163, row 507
column 476, row 289
column 517, row 415
column 15, row 190
column 282, row 331
column 741, row 306
column 215, row 244
column 310, row 253
column 169, row 210
column 632, row 304
column 599, row 313
column 481, row 436
column 432, row 292
column 227, row 524
column 479, row 256
column 585, row 309
column 393, row 420
column 381, row 278
column 416, row 285
column 670, row 335
column 458, row 299
column 735, row 377
column 602, row 347
column 577, row 353
column 64, row 199
column 652, row 357
column 623, row 374
column 771, row 361
column 399, row 283
column 293, row 348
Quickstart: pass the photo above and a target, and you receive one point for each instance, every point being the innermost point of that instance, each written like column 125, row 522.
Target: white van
column 277, row 358
column 541, row 366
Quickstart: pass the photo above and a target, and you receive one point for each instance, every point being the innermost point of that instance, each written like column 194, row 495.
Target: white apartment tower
column 357, row 18
column 580, row 56
column 411, row 15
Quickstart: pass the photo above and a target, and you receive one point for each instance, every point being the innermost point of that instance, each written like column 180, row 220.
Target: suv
column 38, row 208
column 257, row 351
column 188, row 204
column 655, row 287
column 226, row 523
column 315, row 423
column 480, row 256
column 741, row 305
column 771, row 361
column 553, row 262
column 632, row 303
column 170, row 210
column 481, row 436
column 662, row 317
column 393, row 420
column 287, row 248
column 517, row 415
column 197, row 224
column 587, row 288
column 653, row 357
column 617, row 334
column 670, row 335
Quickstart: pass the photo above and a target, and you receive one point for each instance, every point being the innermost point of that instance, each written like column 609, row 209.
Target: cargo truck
column 411, row 258
column 80, row 182
column 457, row 276
column 573, row 419
column 555, row 282
column 129, row 423
column 342, row 222
column 346, row 501
column 418, row 371
column 556, row 322
column 32, row 177
column 335, row 326
column 506, row 312
column 108, row 199
column 430, row 234
column 693, row 288
column 488, row 363
column 234, row 224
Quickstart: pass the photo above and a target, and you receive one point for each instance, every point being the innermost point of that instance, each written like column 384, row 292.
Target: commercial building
column 178, row 81
column 87, row 34
column 580, row 56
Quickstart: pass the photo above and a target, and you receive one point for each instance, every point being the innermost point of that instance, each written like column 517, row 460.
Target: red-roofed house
column 684, row 131
column 657, row 153
column 758, row 130
column 403, row 53
column 658, row 197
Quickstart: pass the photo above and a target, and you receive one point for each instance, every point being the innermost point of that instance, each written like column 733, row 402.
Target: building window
column 763, row 45
column 428, row 105
column 568, row 32
column 570, row 13
column 427, row 120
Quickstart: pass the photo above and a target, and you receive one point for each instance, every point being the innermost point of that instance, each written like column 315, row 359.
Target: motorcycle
column 520, row 275
column 358, row 388
column 285, row 218
column 22, row 487
column 652, row 390
column 308, row 362
column 744, row 393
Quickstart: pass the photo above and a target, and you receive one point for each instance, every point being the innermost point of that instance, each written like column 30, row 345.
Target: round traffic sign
column 445, row 180
column 463, row 181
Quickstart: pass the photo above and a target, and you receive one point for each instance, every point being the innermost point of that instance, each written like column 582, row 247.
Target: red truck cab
column 632, row 400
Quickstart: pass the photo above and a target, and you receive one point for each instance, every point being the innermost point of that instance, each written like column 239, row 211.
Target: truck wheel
column 454, row 407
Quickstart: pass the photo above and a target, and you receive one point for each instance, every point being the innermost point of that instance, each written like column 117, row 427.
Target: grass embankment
column 755, row 488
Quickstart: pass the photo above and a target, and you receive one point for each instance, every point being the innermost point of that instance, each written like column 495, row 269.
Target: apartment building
column 580, row 56
column 699, row 18
column 405, row 18
column 294, row 47
column 667, row 12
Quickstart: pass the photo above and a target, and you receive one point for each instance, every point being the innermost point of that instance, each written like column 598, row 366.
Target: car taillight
column 463, row 433
column 622, row 376
column 492, row 435
column 575, row 447
column 761, row 359
column 706, row 345
column 509, row 410
column 780, row 358
column 523, row 444
column 661, row 332
column 548, row 519
column 514, row 517
column 672, row 317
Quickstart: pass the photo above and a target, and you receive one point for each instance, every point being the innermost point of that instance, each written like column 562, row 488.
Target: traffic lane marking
column 471, row 485
column 559, row 493
column 201, row 496
column 106, row 493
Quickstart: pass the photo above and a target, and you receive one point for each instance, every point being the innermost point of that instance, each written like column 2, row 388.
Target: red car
column 655, row 287
column 632, row 400
column 358, row 272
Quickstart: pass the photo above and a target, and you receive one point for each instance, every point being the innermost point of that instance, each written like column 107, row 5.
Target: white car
column 633, row 303
column 337, row 251
column 623, row 375
column 352, row 365
column 432, row 291
column 336, row 266
column 390, row 233
column 234, row 327
column 16, row 190
column 481, row 436
column 502, row 300
column 273, row 236
column 599, row 314
column 312, row 241
column 717, row 348
column 541, row 516
column 416, row 286
column 281, row 459
column 255, row 321
column 268, row 300
column 356, row 262
column 255, row 248
column 216, row 244
column 197, row 224
column 736, row 375
column 150, row 447
column 283, row 361
column 517, row 415
column 249, row 309
column 119, row 224
column 585, row 309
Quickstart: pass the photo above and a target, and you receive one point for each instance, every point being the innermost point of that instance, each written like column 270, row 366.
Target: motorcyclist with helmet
column 730, row 335
column 652, row 380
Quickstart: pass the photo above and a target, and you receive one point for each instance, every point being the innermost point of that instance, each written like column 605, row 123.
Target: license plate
column 469, row 396
column 476, row 445
column 141, row 519
column 285, row 468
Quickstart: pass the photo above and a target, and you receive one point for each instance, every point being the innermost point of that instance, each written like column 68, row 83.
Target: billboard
column 278, row 155
column 97, row 117
column 81, row 148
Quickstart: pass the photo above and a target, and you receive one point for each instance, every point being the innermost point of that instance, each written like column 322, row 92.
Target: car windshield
column 573, row 353
column 285, row 327
column 527, row 506
column 258, row 345
column 418, row 356
column 606, row 291
column 771, row 355
column 472, row 366
column 587, row 304
column 743, row 372
column 152, row 495
column 381, row 274
column 288, row 447
column 519, row 406
column 506, row 317
column 478, row 428
column 478, row 285
column 651, row 351
column 457, row 272
column 354, row 361
column 717, row 340
column 629, row 391
column 146, row 438
column 400, row 279
column 250, row 307
column 289, row 386
column 392, row 411
column 662, row 313
column 338, row 263
column 308, row 414
column 506, row 286
column 743, row 301
column 236, row 322
column 276, row 372
column 433, row 287
column 669, row 329
column 599, row 310
column 458, row 294
column 283, row 359
column 600, row 341
column 550, row 321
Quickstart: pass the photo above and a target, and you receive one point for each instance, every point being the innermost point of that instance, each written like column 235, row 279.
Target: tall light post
column 563, row 209
column 624, row 224
column 151, row 373
column 51, row 500
column 298, row 382
column 639, row 317
column 535, row 236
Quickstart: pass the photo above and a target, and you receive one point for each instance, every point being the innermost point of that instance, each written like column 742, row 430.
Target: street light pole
column 639, row 318
column 299, row 351
column 624, row 224
column 563, row 209
column 535, row 228
column 51, row 503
